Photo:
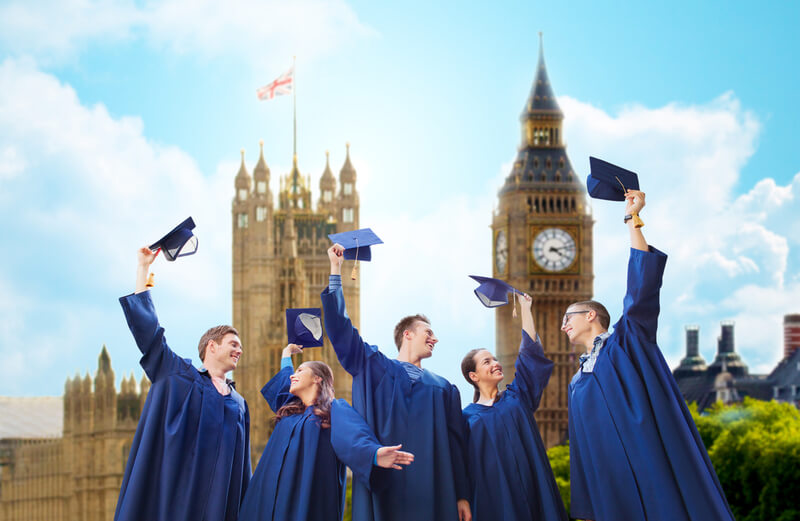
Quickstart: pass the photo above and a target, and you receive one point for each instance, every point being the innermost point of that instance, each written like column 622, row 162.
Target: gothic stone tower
column 279, row 262
column 77, row 475
column 542, row 244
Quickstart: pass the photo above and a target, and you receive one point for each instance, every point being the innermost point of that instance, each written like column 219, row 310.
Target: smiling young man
column 190, row 457
column 402, row 404
column 635, row 453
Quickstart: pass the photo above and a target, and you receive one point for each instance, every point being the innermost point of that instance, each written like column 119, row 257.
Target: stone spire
column 542, row 160
column 261, row 172
column 542, row 101
column 348, row 173
column 242, row 177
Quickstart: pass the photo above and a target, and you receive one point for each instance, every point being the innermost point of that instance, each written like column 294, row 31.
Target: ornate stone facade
column 279, row 262
column 542, row 244
column 77, row 475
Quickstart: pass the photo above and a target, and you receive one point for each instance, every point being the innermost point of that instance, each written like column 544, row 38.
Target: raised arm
column 634, row 202
column 645, row 272
column 533, row 368
column 157, row 360
column 276, row 390
column 525, row 302
column 351, row 350
column 145, row 258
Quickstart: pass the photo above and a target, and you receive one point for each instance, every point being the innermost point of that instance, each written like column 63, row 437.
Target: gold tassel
column 150, row 281
column 514, row 309
column 354, row 273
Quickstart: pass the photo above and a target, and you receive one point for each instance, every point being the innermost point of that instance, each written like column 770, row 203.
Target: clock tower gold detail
column 542, row 244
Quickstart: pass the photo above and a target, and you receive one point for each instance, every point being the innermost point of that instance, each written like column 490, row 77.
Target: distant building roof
column 37, row 417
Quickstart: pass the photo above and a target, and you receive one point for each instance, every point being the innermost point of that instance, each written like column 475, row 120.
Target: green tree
column 754, row 448
column 756, row 453
column 559, row 461
column 348, row 498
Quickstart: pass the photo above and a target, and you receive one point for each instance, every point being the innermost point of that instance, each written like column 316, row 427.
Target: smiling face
column 226, row 354
column 487, row 368
column 577, row 323
column 421, row 339
column 304, row 383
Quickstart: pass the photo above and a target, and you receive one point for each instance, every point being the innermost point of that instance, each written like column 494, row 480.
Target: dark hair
column 469, row 365
column 405, row 324
column 322, row 404
column 216, row 334
column 599, row 309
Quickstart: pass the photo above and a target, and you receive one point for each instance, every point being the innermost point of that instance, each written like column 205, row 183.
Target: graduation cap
column 356, row 245
column 179, row 242
column 610, row 182
column 304, row 326
column 494, row 292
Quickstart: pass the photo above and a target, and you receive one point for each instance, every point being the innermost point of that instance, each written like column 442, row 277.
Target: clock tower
column 542, row 244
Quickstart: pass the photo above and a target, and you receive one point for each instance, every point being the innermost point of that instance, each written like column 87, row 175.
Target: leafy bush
column 755, row 449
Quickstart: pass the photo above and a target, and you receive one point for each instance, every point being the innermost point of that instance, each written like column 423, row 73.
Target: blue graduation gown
column 190, row 457
column 635, row 453
column 511, row 475
column 299, row 476
column 424, row 416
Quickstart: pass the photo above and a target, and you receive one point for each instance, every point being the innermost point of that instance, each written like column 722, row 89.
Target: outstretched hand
column 464, row 513
column 392, row 457
column 634, row 202
column 525, row 300
column 146, row 256
column 291, row 349
column 526, row 303
column 336, row 256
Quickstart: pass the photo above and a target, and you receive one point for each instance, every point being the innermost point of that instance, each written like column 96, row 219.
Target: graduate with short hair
column 402, row 403
column 299, row 476
column 511, row 475
column 635, row 453
column 190, row 457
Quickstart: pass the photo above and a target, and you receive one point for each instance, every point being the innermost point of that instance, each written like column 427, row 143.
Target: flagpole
column 294, row 105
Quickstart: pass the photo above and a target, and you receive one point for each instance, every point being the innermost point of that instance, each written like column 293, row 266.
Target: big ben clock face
column 500, row 252
column 554, row 249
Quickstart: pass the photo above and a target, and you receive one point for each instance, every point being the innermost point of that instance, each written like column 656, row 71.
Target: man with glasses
column 635, row 453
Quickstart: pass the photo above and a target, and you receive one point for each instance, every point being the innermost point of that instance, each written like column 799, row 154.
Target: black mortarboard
column 179, row 242
column 493, row 292
column 607, row 181
column 356, row 243
column 304, row 326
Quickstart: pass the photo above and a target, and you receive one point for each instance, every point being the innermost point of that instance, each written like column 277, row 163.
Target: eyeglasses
column 568, row 313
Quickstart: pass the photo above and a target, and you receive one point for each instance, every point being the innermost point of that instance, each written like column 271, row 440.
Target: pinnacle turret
column 243, row 176
column 348, row 173
column 542, row 101
column 261, row 172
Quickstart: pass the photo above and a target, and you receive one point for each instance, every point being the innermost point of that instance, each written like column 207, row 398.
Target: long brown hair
column 469, row 365
column 322, row 404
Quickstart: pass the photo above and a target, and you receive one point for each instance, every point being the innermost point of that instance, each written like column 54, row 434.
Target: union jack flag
column 283, row 85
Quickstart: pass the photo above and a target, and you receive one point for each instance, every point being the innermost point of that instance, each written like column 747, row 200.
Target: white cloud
column 729, row 254
column 84, row 189
column 11, row 162
column 253, row 31
column 93, row 190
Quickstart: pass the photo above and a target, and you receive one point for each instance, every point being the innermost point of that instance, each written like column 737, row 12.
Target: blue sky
column 118, row 119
